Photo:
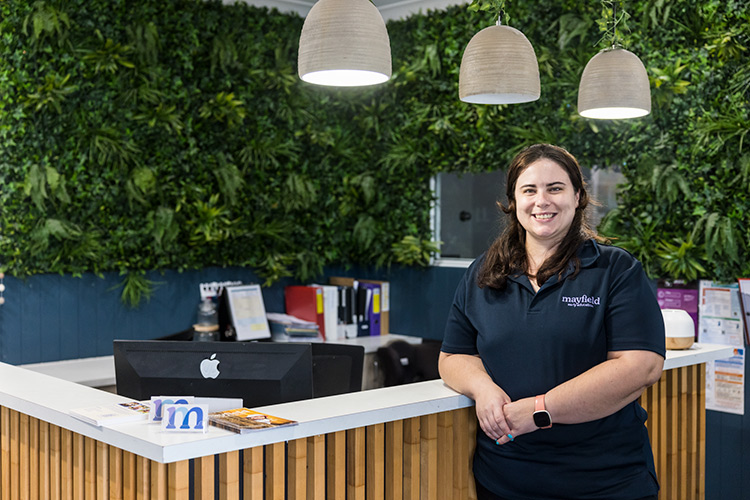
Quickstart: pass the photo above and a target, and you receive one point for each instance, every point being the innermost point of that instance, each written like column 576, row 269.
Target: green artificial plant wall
column 176, row 135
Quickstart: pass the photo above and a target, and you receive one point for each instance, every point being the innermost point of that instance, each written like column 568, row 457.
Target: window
column 466, row 218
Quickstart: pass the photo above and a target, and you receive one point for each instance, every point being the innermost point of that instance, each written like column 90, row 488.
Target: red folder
column 306, row 302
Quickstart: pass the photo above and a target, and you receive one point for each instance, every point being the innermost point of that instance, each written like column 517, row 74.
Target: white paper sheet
column 721, row 322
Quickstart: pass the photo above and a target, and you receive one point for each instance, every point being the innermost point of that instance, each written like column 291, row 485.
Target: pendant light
column 344, row 43
column 614, row 84
column 499, row 67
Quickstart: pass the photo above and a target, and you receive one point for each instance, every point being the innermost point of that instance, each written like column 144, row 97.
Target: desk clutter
column 182, row 414
column 303, row 359
column 344, row 308
column 287, row 328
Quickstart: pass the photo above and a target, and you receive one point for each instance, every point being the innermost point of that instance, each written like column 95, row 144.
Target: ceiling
column 389, row 9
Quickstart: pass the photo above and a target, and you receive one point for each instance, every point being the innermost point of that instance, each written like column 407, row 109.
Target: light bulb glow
column 614, row 113
column 499, row 98
column 345, row 77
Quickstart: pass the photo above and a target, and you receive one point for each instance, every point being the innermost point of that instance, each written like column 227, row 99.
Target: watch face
column 542, row 419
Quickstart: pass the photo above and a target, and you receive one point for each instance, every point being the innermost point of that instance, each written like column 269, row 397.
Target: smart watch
column 542, row 418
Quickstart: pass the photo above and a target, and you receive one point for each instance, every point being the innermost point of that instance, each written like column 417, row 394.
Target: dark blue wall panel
column 68, row 306
column 52, row 317
column 30, row 333
column 727, row 440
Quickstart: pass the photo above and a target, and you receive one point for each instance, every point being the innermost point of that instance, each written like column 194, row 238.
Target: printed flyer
column 721, row 322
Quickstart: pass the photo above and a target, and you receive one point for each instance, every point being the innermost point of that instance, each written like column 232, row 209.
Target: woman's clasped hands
column 500, row 418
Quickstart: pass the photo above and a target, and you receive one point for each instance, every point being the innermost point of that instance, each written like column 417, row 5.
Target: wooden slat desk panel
column 292, row 468
column 677, row 429
column 419, row 456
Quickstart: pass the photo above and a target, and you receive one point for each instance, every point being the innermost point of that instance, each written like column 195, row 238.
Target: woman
column 554, row 337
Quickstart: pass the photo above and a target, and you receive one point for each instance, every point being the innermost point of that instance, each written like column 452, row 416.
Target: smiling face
column 546, row 202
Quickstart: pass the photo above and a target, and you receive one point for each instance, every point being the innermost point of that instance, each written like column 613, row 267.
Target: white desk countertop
column 697, row 354
column 49, row 398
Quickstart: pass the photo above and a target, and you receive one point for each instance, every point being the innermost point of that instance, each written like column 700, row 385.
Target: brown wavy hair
column 507, row 254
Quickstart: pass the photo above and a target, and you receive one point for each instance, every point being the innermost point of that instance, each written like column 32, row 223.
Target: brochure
column 116, row 413
column 242, row 420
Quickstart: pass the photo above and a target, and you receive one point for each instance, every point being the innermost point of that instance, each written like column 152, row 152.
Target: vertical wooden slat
column 205, row 478
column 102, row 470
column 76, row 466
column 15, row 460
column 674, row 436
column 252, row 473
column 56, row 464
column 34, row 454
column 658, row 428
column 376, row 462
column 411, row 459
column 473, row 424
column 66, row 462
column 129, row 476
column 683, row 421
column 464, row 422
column 23, row 457
column 655, row 418
column 336, row 460
column 662, row 459
column 89, row 468
column 142, row 478
column 4, row 453
column 428, row 456
column 115, row 473
column 158, row 481
column 446, row 455
column 44, row 485
column 660, row 408
column 316, row 467
column 178, row 479
column 394, row 460
column 296, row 483
column 647, row 400
column 275, row 473
column 355, row 464
column 692, row 439
column 229, row 475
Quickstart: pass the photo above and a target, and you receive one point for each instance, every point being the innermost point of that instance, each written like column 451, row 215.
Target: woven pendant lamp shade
column 499, row 67
column 614, row 85
column 344, row 43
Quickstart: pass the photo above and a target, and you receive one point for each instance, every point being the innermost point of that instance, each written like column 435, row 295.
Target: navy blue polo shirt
column 532, row 342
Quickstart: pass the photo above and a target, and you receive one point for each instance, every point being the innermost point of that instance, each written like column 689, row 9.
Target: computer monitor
column 261, row 373
column 337, row 368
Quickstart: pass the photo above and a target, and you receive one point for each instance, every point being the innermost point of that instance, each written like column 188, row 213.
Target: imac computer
column 261, row 373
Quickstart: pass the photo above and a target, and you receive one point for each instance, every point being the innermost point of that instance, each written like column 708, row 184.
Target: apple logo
column 210, row 367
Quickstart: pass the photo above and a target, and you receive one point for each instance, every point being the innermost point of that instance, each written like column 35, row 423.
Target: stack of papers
column 287, row 328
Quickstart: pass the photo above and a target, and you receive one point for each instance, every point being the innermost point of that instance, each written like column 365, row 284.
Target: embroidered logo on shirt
column 582, row 301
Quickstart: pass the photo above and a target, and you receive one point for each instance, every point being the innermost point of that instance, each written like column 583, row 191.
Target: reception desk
column 413, row 441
